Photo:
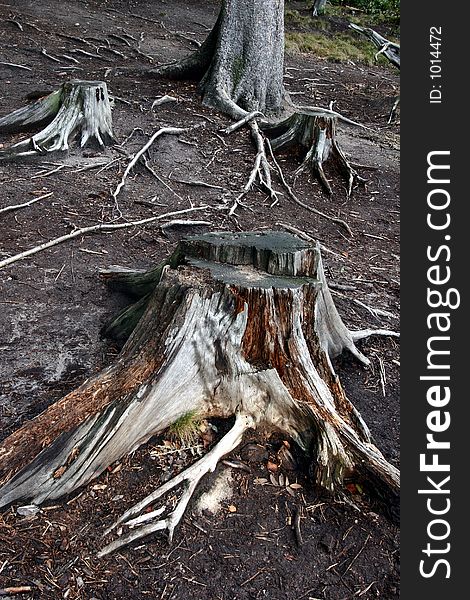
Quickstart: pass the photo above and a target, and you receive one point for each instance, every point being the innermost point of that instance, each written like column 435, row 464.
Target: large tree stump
column 232, row 324
column 78, row 108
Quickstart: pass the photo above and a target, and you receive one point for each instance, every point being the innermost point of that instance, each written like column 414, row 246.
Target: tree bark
column 232, row 324
column 240, row 67
column 318, row 7
column 78, row 108
column 241, row 63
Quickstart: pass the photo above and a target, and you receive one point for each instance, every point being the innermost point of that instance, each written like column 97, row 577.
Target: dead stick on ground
column 14, row 65
column 198, row 183
column 375, row 312
column 158, row 178
column 163, row 100
column 357, row 555
column 143, row 150
column 183, row 222
column 298, row 533
column 299, row 202
column 25, row 204
column 19, row 25
column 23, row 589
column 93, row 228
column 249, row 117
column 47, row 173
column 308, row 238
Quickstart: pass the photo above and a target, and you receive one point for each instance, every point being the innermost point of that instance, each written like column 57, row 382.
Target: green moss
column 338, row 48
column 238, row 67
column 294, row 19
column 368, row 13
column 186, row 428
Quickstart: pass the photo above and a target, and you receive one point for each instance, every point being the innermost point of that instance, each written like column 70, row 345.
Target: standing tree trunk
column 241, row 64
column 232, row 324
column 241, row 67
column 318, row 7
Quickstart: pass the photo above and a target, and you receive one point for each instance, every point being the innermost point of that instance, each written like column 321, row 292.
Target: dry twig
column 101, row 227
column 25, row 204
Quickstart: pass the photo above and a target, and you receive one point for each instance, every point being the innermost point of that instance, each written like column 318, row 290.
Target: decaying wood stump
column 318, row 7
column 231, row 325
column 315, row 133
column 78, row 108
column 389, row 49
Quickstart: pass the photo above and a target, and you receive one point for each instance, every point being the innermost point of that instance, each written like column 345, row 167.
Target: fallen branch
column 249, row 117
column 152, row 171
column 47, row 173
column 22, row 589
column 390, row 50
column 18, row 24
column 15, row 66
column 44, row 53
column 196, row 182
column 141, row 152
column 25, row 204
column 163, row 100
column 183, row 223
column 101, row 227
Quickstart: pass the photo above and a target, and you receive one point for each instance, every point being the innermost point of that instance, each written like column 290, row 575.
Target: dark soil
column 53, row 306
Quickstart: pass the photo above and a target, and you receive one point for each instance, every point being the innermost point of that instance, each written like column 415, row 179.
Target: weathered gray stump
column 389, row 49
column 316, row 136
column 232, row 324
column 78, row 108
column 318, row 7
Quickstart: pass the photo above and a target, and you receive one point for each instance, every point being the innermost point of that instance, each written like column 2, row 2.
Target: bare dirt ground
column 53, row 306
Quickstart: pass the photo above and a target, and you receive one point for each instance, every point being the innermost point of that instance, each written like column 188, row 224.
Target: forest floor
column 53, row 306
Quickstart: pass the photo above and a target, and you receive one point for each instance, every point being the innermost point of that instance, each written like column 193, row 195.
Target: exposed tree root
column 190, row 477
column 261, row 169
column 138, row 155
column 25, row 204
column 98, row 228
column 78, row 108
column 302, row 204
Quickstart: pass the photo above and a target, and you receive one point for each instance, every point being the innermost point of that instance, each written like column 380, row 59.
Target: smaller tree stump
column 78, row 109
column 315, row 134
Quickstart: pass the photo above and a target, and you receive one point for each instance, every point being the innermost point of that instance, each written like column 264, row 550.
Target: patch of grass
column 339, row 48
column 238, row 67
column 294, row 19
column 369, row 13
column 186, row 428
